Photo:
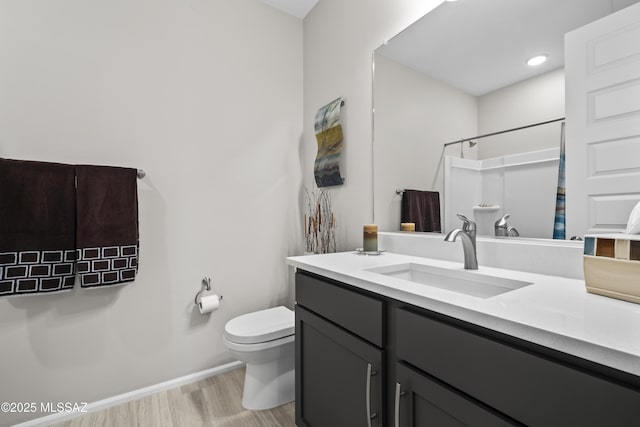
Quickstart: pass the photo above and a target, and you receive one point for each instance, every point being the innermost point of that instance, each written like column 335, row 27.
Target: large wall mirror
column 459, row 72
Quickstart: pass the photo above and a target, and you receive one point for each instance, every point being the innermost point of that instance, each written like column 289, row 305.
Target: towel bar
column 141, row 173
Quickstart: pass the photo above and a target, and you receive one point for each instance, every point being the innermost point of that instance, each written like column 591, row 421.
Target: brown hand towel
column 37, row 227
column 107, row 225
column 423, row 208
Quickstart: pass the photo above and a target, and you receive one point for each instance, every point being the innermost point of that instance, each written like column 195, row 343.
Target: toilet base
column 270, row 384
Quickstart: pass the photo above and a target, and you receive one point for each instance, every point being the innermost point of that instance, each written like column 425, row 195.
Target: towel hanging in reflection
column 421, row 208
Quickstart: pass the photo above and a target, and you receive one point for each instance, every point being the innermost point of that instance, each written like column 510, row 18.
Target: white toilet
column 264, row 340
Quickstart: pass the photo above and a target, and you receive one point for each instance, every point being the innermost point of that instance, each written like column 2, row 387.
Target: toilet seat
column 261, row 346
column 260, row 326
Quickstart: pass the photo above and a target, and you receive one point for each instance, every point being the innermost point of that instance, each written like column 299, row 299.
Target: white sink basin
column 468, row 282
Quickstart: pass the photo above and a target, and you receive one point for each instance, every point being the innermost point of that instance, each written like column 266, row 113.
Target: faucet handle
column 502, row 222
column 467, row 224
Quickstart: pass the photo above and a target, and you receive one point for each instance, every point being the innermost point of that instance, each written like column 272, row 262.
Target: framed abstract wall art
column 328, row 128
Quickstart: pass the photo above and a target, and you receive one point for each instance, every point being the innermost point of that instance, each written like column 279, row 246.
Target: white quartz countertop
column 555, row 312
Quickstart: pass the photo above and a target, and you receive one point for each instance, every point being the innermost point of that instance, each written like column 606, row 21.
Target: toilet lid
column 261, row 326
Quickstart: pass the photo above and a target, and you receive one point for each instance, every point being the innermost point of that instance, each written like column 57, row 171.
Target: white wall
column 414, row 116
column 339, row 39
column 534, row 100
column 206, row 96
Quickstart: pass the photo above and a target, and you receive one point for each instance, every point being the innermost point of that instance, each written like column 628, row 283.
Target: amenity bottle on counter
column 370, row 236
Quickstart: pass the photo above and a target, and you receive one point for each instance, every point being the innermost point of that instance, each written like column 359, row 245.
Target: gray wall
column 206, row 96
column 415, row 114
column 531, row 101
column 339, row 39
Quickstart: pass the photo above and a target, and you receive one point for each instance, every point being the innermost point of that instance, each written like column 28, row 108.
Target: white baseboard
column 132, row 395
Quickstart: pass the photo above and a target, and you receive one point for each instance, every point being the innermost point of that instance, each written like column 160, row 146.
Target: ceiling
column 479, row 46
column 297, row 8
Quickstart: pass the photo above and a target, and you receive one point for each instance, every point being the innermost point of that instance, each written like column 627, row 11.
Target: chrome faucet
column 468, row 236
column 502, row 229
column 500, row 226
column 469, row 227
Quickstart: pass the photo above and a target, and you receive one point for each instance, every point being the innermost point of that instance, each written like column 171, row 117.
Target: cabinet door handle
column 397, row 404
column 368, row 395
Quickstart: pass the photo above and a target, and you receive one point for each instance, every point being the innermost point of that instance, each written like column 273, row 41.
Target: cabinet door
column 421, row 400
column 338, row 376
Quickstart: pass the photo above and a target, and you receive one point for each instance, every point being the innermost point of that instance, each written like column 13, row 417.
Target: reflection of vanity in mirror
column 460, row 73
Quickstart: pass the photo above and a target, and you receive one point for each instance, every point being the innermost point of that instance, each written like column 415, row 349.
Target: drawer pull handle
column 368, row 394
column 397, row 404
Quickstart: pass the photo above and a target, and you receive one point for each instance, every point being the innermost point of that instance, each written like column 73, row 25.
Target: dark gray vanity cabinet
column 535, row 386
column 422, row 400
column 359, row 353
column 338, row 364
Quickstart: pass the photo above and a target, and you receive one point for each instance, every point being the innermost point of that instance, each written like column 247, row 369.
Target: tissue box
column 612, row 265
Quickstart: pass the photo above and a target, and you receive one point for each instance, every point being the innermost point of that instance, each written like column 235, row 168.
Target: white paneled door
column 602, row 66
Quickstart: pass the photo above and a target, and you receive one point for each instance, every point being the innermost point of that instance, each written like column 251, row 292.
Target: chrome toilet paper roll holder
column 206, row 286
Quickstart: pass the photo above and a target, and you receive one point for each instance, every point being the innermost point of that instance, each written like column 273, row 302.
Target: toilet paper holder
column 206, row 286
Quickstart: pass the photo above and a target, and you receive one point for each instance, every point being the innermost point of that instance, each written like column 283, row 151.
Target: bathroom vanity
column 378, row 347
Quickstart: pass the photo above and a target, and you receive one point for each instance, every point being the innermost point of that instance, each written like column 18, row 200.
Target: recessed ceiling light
column 537, row 60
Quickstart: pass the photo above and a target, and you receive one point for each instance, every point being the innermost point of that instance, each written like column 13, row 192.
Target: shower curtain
column 559, row 223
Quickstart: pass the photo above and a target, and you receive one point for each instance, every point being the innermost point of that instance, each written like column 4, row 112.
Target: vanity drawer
column 358, row 313
column 529, row 387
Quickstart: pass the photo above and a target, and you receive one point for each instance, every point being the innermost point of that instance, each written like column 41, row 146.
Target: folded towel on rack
column 107, row 225
column 37, row 227
column 422, row 208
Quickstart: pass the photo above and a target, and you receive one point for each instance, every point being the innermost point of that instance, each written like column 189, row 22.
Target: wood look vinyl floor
column 214, row 401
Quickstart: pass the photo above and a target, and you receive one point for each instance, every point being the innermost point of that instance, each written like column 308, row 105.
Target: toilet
column 264, row 341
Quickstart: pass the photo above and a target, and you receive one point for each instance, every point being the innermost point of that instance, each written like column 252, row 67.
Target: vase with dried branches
column 319, row 223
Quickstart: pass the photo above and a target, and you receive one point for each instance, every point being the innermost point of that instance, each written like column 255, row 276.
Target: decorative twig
column 319, row 223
